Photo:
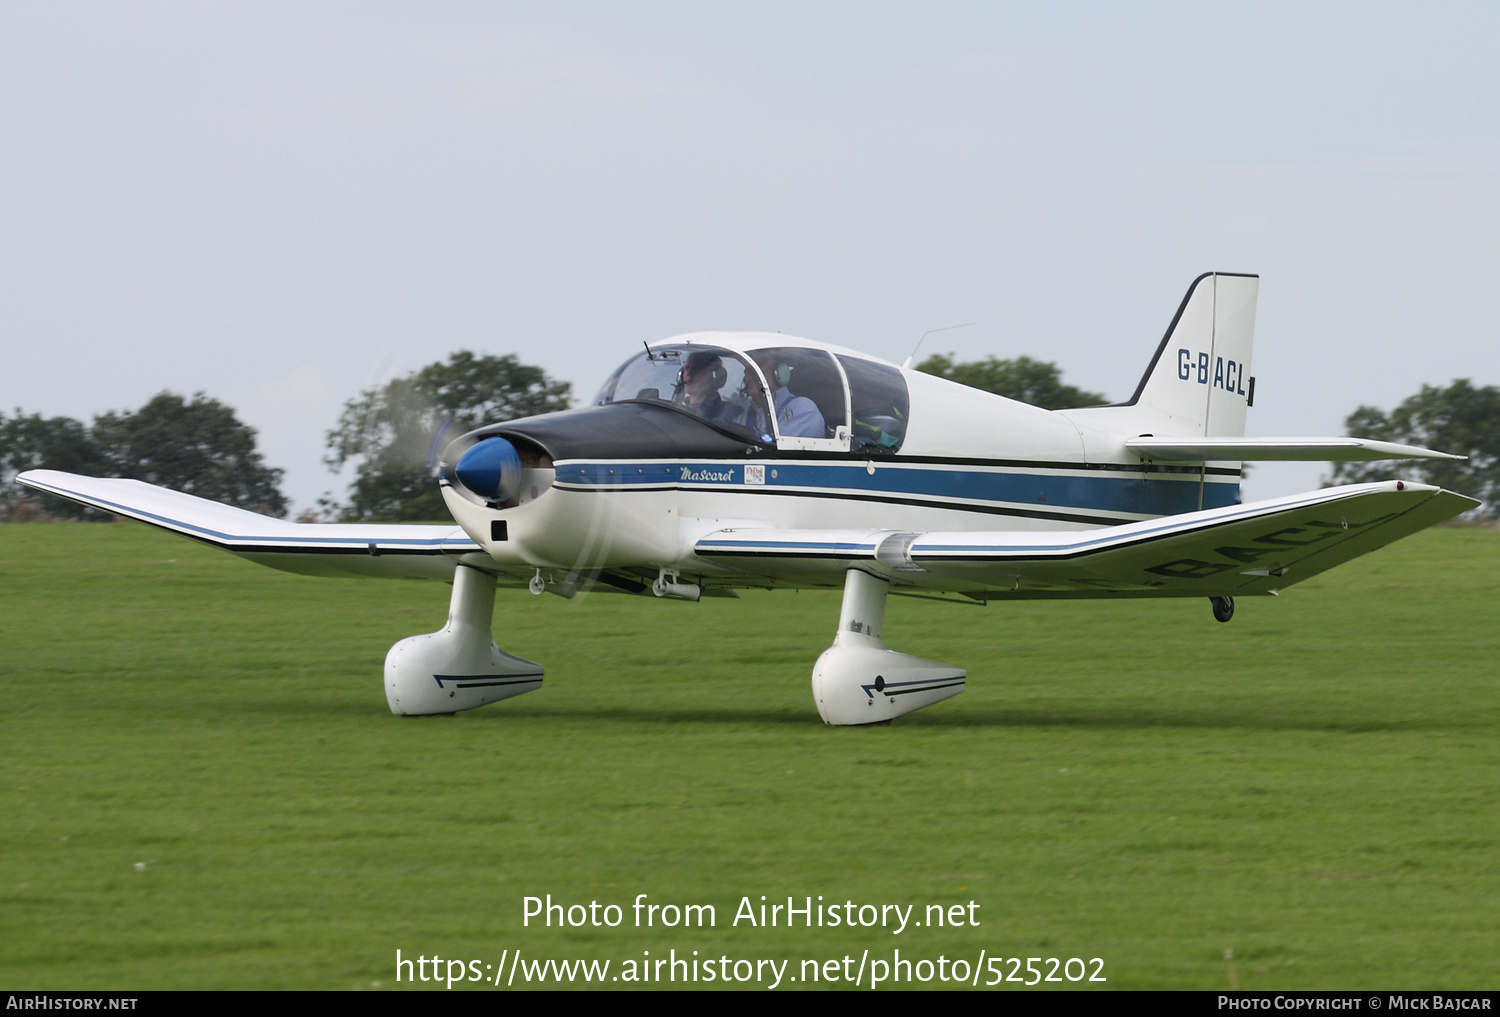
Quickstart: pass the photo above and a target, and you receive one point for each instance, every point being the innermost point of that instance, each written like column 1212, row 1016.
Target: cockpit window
column 807, row 390
column 880, row 404
column 704, row 380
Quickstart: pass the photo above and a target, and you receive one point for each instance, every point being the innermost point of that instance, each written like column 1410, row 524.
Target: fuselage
column 635, row 480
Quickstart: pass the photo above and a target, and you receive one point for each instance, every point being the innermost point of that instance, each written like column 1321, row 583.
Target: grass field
column 202, row 786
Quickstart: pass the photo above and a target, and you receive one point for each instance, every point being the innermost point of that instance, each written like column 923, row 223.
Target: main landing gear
column 1223, row 607
column 858, row 680
column 458, row 667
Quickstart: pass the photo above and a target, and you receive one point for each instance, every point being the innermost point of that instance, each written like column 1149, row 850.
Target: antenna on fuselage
column 945, row 328
column 649, row 354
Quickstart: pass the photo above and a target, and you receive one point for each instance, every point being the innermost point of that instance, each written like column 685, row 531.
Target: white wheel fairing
column 859, row 680
column 458, row 667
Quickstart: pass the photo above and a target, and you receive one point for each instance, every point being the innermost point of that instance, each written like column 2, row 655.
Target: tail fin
column 1199, row 383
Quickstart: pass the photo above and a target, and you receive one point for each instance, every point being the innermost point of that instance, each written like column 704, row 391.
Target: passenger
column 796, row 416
column 703, row 375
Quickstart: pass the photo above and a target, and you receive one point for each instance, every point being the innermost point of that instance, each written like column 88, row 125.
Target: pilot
column 796, row 416
column 703, row 375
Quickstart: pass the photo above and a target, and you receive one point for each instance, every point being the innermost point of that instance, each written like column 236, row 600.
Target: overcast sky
column 283, row 204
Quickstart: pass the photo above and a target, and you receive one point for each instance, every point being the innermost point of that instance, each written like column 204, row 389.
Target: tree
column 1460, row 419
column 198, row 447
column 36, row 442
column 1029, row 381
column 398, row 430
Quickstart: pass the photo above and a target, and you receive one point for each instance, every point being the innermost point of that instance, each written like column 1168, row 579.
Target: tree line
column 393, row 434
column 1460, row 418
column 193, row 445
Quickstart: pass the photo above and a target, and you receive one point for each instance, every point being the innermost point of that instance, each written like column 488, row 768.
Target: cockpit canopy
column 796, row 397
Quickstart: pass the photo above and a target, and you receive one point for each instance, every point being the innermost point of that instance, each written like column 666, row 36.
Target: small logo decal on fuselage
column 755, row 474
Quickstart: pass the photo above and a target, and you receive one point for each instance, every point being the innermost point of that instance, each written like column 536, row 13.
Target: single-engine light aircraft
column 715, row 461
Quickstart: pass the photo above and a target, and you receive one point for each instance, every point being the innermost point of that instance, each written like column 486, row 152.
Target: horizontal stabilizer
column 1316, row 450
column 387, row 550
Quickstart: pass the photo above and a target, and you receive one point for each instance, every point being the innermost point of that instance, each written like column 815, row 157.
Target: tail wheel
column 1223, row 607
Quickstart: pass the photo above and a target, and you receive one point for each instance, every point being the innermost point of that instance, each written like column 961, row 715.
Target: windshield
column 704, row 380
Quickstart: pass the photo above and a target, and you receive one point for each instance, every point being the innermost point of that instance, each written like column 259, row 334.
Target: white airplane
column 716, row 461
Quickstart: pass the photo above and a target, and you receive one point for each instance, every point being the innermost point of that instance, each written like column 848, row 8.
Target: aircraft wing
column 1311, row 450
column 321, row 549
column 1238, row 550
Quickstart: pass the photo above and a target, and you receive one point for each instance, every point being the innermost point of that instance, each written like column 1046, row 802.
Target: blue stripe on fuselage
column 1156, row 496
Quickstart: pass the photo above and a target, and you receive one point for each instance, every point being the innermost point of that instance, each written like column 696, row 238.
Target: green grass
column 1313, row 786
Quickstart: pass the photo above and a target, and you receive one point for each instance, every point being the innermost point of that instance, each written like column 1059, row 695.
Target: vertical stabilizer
column 1198, row 384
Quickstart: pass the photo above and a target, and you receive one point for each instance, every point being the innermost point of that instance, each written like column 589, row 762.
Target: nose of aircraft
column 491, row 469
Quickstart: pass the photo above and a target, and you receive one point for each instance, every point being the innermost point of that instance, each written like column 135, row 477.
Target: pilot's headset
column 781, row 373
column 696, row 361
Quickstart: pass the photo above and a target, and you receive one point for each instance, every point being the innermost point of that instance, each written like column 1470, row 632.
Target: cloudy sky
column 283, row 204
